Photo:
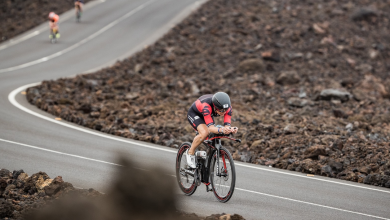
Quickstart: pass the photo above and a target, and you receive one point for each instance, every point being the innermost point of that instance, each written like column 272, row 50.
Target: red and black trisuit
column 202, row 112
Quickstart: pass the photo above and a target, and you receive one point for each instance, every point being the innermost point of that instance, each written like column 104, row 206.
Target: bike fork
column 218, row 146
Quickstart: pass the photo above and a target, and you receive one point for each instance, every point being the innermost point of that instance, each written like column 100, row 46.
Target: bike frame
column 213, row 144
column 203, row 173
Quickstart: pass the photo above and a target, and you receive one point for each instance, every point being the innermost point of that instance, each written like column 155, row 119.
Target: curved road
column 32, row 140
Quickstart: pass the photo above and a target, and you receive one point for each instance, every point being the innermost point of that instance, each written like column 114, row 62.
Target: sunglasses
column 222, row 110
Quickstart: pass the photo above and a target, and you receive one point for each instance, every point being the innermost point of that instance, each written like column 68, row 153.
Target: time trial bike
column 214, row 167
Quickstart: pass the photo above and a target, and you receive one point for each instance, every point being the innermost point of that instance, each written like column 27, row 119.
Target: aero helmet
column 51, row 14
column 221, row 100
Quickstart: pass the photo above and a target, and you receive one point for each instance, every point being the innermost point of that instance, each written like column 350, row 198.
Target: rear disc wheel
column 185, row 180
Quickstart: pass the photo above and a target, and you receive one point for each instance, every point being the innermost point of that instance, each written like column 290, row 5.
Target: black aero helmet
column 221, row 100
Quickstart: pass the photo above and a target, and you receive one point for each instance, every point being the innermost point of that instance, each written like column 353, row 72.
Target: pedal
column 191, row 172
column 207, row 187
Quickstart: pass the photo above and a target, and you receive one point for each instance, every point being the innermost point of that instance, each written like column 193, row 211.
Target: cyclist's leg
column 51, row 25
column 198, row 123
column 76, row 6
column 55, row 30
column 203, row 133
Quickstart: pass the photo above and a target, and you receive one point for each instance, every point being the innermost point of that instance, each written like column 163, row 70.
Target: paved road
column 32, row 140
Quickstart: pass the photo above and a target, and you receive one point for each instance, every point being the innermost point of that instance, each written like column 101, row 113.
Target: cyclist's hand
column 226, row 130
column 234, row 130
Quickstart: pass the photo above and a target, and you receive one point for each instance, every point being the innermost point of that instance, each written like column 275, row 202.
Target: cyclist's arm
column 227, row 121
column 206, row 111
column 215, row 130
column 228, row 117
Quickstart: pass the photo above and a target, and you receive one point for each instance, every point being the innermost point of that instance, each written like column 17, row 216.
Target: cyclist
column 201, row 117
column 78, row 4
column 53, row 23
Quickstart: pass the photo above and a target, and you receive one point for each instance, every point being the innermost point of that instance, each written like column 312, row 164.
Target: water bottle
column 201, row 154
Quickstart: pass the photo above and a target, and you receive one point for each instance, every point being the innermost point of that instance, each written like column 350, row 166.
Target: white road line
column 12, row 95
column 58, row 152
column 152, row 38
column 309, row 203
column 11, row 98
column 308, row 177
column 25, row 37
column 245, row 190
column 90, row 37
column 17, row 40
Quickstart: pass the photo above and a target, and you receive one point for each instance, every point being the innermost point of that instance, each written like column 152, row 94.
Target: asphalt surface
column 32, row 140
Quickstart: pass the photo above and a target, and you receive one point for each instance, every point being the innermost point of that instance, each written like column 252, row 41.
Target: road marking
column 12, row 95
column 17, row 40
column 13, row 42
column 309, row 203
column 152, row 38
column 11, row 98
column 90, row 37
column 58, row 152
column 308, row 177
column 245, row 190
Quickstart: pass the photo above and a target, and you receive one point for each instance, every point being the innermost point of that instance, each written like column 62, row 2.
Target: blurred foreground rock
column 133, row 194
column 21, row 194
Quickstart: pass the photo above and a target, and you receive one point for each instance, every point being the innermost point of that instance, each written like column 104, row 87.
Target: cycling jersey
column 202, row 112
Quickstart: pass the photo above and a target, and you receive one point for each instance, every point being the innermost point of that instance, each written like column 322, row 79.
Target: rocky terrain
column 131, row 195
column 308, row 83
column 21, row 194
column 18, row 16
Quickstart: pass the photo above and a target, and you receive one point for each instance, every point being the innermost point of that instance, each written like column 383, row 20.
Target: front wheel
column 185, row 179
column 224, row 181
column 53, row 38
column 78, row 16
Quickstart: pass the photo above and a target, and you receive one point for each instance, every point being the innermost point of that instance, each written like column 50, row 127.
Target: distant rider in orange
column 53, row 23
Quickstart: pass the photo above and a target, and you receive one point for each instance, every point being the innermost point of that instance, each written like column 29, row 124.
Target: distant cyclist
column 78, row 4
column 201, row 117
column 53, row 22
